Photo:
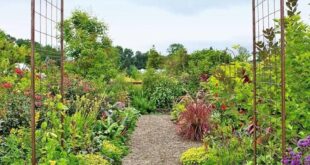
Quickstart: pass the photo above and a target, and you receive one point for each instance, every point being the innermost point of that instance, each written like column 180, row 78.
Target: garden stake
column 283, row 113
column 254, row 74
column 62, row 66
column 33, row 138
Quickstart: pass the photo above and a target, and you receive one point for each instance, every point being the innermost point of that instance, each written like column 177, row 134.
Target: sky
column 140, row 24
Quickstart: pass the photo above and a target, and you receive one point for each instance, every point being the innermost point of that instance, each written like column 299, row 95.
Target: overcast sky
column 139, row 24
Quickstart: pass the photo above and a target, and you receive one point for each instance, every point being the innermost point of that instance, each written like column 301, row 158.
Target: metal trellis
column 46, row 32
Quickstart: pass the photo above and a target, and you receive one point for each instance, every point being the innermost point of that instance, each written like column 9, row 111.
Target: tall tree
column 140, row 60
column 126, row 57
column 177, row 61
column 10, row 53
column 154, row 59
column 173, row 48
column 89, row 46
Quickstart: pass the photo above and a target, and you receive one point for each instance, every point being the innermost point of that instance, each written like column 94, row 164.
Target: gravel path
column 155, row 142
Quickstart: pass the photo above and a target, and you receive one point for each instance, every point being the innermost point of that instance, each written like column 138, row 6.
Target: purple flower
column 291, row 153
column 303, row 143
column 307, row 160
column 295, row 162
column 286, row 161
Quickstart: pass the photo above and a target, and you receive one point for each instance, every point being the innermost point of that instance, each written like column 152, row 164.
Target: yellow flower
column 12, row 131
column 37, row 117
column 52, row 162
column 110, row 147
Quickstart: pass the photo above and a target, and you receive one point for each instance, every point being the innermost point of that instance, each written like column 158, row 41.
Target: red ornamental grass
column 194, row 123
column 7, row 85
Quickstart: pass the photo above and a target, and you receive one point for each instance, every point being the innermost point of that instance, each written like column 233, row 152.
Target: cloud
column 188, row 6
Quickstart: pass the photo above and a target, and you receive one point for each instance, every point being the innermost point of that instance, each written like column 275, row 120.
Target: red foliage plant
column 194, row 123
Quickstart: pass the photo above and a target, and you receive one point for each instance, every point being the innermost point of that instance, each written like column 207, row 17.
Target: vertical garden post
column 33, row 138
column 283, row 107
column 62, row 63
column 254, row 74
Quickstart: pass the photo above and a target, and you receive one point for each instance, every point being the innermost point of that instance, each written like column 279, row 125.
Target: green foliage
column 89, row 47
column 298, row 73
column 194, row 156
column 161, row 89
column 77, row 127
column 205, row 60
column 115, row 125
column 10, row 53
column 142, row 104
column 126, row 58
column 140, row 60
column 177, row 60
column 14, row 147
column 231, row 141
column 173, row 48
column 180, row 107
column 202, row 63
column 118, row 89
column 112, row 151
column 17, row 113
column 177, row 109
column 154, row 60
column 91, row 159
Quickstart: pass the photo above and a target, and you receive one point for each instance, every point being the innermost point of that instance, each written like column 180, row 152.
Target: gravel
column 155, row 142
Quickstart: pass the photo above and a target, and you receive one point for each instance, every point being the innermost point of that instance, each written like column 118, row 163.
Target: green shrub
column 194, row 156
column 180, row 107
column 16, row 114
column 112, row 151
column 143, row 105
column 161, row 89
column 177, row 110
column 92, row 159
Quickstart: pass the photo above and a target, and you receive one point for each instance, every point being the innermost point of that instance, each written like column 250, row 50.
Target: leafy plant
column 194, row 156
column 142, row 104
column 161, row 89
column 112, row 151
column 180, row 107
column 92, row 159
column 17, row 113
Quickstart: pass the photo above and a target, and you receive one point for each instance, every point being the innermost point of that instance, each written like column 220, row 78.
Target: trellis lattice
column 269, row 74
column 46, row 48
